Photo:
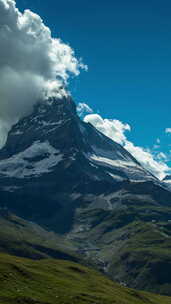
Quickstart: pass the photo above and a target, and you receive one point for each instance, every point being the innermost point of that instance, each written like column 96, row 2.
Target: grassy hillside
column 133, row 245
column 27, row 239
column 143, row 259
column 48, row 281
column 134, row 251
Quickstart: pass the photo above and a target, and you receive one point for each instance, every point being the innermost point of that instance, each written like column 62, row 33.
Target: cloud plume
column 33, row 65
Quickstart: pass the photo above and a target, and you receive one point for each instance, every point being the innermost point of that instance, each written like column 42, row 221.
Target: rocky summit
column 67, row 190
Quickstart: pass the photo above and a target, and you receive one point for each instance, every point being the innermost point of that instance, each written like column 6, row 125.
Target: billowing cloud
column 83, row 109
column 112, row 128
column 157, row 166
column 33, row 65
column 115, row 129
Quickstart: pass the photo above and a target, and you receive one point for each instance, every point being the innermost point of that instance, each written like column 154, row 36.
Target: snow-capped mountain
column 53, row 136
column 60, row 174
column 56, row 163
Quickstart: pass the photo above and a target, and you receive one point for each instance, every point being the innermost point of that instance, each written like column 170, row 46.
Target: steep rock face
column 53, row 162
column 54, row 129
column 67, row 177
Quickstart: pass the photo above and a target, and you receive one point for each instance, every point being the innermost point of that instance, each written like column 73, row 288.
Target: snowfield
column 38, row 159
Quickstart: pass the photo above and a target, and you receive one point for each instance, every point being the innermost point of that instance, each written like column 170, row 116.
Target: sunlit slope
column 51, row 281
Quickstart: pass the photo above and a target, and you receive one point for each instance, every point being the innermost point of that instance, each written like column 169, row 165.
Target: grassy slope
column 135, row 245
column 51, row 281
column 138, row 251
column 144, row 259
column 22, row 238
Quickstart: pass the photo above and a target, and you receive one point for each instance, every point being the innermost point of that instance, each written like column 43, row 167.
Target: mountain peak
column 44, row 113
column 53, row 136
column 53, row 103
column 41, row 125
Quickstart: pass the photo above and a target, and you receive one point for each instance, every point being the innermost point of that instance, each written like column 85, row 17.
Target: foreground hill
column 23, row 281
column 27, row 239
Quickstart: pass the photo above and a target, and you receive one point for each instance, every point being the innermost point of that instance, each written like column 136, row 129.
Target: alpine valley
column 81, row 221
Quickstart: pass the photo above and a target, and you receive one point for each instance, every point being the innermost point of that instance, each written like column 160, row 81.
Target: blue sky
column 127, row 47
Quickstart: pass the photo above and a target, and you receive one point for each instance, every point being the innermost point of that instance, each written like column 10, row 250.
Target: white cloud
column 168, row 130
column 157, row 167
column 33, row 65
column 112, row 128
column 116, row 129
column 83, row 108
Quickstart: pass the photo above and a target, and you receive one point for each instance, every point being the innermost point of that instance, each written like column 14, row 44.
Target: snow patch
column 11, row 188
column 112, row 163
column 116, row 177
column 117, row 154
column 120, row 165
column 167, row 181
column 18, row 132
column 39, row 158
